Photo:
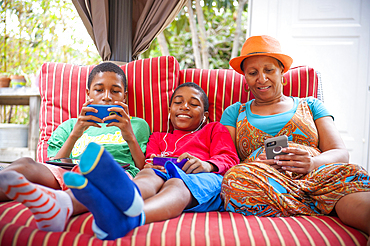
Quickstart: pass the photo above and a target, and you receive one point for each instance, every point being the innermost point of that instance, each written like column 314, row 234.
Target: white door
column 331, row 36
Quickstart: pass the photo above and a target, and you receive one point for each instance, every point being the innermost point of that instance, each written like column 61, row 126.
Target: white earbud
column 204, row 119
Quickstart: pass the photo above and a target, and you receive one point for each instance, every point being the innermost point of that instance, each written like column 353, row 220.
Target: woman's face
column 264, row 76
column 187, row 109
column 106, row 88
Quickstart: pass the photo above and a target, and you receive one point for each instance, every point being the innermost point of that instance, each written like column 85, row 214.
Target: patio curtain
column 95, row 16
column 149, row 18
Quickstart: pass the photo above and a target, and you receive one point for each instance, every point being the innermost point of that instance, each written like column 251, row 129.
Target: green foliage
column 219, row 4
column 30, row 31
column 220, row 27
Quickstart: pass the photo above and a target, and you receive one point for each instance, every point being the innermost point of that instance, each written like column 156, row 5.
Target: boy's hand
column 149, row 164
column 124, row 122
column 82, row 120
column 195, row 165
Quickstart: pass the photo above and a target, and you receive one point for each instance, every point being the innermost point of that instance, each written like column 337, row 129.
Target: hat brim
column 286, row 60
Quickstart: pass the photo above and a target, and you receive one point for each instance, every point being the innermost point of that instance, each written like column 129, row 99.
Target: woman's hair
column 107, row 67
column 204, row 97
column 279, row 62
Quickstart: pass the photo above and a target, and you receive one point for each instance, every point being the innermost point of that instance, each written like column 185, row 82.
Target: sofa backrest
column 222, row 86
column 151, row 83
column 225, row 86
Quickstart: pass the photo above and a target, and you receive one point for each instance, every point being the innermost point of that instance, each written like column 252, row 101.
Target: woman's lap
column 257, row 189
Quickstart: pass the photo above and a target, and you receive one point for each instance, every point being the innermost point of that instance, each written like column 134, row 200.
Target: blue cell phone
column 157, row 160
column 103, row 112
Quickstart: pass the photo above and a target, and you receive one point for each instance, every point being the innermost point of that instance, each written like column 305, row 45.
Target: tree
column 163, row 44
column 30, row 32
column 238, row 30
column 194, row 34
column 220, row 21
column 202, row 35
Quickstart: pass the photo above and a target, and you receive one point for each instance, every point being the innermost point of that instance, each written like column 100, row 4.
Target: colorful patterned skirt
column 257, row 189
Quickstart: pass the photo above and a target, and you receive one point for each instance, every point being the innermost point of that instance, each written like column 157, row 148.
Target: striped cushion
column 151, row 83
column 222, row 86
column 18, row 227
column 63, row 91
column 303, row 81
column 225, row 87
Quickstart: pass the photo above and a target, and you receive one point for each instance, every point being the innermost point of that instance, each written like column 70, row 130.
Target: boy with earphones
column 166, row 191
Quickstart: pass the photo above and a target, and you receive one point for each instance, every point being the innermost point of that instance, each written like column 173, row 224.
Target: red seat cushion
column 18, row 227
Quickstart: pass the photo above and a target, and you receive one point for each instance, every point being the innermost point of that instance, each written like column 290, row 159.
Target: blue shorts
column 205, row 187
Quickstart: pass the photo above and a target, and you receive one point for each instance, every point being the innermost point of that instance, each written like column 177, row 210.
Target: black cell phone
column 273, row 146
column 67, row 163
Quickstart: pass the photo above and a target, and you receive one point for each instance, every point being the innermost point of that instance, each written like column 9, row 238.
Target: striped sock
column 109, row 222
column 51, row 208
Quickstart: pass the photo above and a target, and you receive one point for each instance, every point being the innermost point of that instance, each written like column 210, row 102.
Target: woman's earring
column 284, row 81
column 246, row 90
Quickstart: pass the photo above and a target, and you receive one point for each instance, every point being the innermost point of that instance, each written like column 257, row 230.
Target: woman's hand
column 262, row 158
column 195, row 165
column 296, row 160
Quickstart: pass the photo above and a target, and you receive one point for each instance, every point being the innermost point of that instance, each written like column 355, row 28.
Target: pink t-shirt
column 212, row 143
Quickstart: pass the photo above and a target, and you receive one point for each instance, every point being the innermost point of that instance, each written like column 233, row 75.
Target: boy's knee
column 176, row 182
column 25, row 160
column 22, row 165
column 147, row 172
column 182, row 190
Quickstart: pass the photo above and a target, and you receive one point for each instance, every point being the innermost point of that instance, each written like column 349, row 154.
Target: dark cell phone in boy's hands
column 273, row 146
column 67, row 163
column 103, row 112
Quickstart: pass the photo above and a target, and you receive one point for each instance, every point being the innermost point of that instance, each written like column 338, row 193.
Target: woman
column 313, row 177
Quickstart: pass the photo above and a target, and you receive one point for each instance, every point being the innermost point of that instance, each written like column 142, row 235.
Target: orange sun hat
column 261, row 46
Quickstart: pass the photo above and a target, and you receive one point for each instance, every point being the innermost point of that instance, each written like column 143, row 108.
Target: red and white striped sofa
column 150, row 85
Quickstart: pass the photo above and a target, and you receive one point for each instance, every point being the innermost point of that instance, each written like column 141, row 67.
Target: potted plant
column 4, row 81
